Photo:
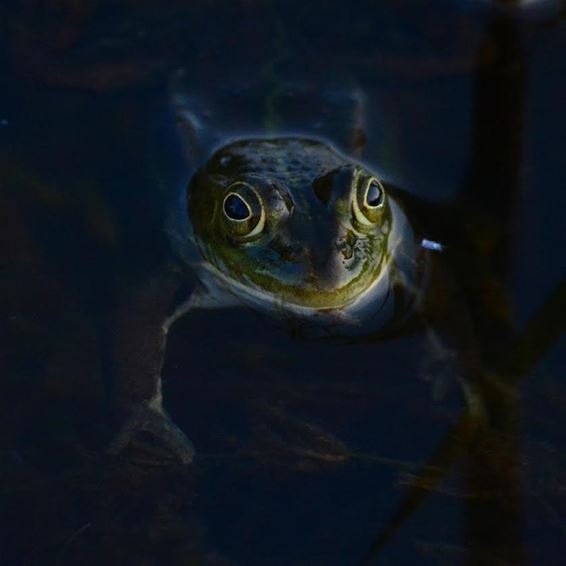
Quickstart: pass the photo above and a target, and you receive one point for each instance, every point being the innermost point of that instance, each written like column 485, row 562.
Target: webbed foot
column 150, row 435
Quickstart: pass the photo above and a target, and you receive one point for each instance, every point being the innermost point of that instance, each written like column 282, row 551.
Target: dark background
column 303, row 448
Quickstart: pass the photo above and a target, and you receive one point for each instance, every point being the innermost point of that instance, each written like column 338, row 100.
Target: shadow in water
column 493, row 355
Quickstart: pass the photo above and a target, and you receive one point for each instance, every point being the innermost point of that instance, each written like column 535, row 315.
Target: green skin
column 317, row 244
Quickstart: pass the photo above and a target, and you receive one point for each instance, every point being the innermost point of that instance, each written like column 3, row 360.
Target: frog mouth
column 354, row 296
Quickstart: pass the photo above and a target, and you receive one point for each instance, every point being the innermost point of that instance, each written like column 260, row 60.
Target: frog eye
column 244, row 212
column 236, row 208
column 368, row 202
column 374, row 194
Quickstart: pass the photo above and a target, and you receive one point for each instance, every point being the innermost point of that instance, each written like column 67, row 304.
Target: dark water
column 305, row 449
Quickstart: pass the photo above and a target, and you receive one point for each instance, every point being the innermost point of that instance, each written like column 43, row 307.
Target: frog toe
column 149, row 435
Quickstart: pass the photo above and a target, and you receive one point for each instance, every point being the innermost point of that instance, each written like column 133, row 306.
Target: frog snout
column 325, row 269
column 316, row 264
column 295, row 253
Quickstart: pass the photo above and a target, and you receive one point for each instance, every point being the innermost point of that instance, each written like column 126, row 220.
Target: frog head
column 290, row 222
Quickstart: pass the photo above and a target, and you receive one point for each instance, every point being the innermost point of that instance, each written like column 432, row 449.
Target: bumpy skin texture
column 313, row 251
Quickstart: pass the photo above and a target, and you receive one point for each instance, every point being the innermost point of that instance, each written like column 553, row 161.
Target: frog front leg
column 138, row 342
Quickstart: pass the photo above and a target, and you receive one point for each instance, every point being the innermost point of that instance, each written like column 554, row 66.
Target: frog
column 289, row 225
column 296, row 230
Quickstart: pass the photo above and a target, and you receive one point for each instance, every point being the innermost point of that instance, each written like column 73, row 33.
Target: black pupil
column 235, row 208
column 374, row 195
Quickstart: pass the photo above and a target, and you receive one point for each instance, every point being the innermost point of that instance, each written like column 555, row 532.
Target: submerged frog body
column 291, row 227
